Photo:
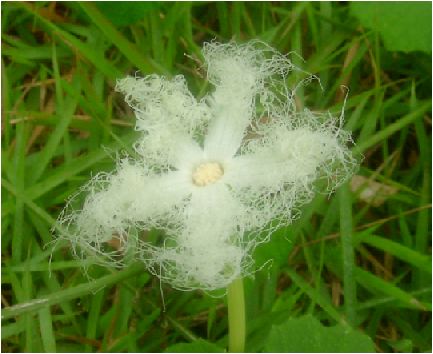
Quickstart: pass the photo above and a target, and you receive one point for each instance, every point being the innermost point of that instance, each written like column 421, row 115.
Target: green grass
column 345, row 260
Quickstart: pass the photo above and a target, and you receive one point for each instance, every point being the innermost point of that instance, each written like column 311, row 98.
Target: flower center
column 207, row 173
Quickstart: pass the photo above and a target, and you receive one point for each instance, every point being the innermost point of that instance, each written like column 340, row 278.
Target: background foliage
column 359, row 260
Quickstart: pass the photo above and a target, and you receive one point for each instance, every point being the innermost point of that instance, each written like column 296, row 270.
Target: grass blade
column 46, row 327
column 77, row 165
column 346, row 229
column 315, row 295
column 71, row 293
column 372, row 281
column 95, row 57
column 406, row 254
column 131, row 52
column 392, row 128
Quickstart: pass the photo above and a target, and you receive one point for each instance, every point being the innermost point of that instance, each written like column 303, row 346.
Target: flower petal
column 232, row 116
column 296, row 157
column 159, row 101
column 167, row 113
column 208, row 254
column 236, row 73
column 212, row 212
column 242, row 74
column 129, row 198
column 275, row 179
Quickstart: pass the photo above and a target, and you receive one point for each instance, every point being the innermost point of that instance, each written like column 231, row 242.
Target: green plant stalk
column 236, row 314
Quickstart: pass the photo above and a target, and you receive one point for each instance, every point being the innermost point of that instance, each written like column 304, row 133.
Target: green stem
column 236, row 314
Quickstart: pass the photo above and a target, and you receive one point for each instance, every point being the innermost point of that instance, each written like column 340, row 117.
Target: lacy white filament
column 213, row 173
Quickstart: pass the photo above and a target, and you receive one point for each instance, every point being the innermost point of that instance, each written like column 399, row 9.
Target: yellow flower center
column 207, row 173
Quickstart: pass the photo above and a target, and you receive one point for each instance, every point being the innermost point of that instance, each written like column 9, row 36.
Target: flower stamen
column 207, row 173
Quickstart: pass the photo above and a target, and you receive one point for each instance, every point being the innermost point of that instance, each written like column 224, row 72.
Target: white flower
column 213, row 174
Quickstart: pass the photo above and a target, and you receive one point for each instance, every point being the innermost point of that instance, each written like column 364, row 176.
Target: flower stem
column 236, row 314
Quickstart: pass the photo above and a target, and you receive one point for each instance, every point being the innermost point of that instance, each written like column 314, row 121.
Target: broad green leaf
column 199, row 346
column 277, row 250
column 307, row 335
column 404, row 26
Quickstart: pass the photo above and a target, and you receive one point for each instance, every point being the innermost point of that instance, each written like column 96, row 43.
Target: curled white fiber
column 213, row 173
